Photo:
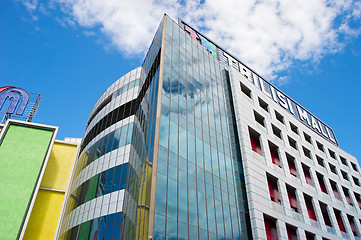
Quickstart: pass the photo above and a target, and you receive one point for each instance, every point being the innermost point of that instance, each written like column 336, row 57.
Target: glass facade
column 199, row 189
column 198, row 183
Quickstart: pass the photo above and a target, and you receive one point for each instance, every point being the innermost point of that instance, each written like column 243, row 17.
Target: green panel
column 22, row 153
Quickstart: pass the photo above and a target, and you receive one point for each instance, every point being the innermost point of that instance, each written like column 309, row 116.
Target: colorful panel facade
column 49, row 201
column 23, row 152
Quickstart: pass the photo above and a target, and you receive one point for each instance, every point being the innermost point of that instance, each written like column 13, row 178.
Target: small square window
column 259, row 118
column 246, row 90
column 343, row 161
column 292, row 142
column 320, row 146
column 332, row 168
column 279, row 117
column 307, row 137
column 320, row 161
column 276, row 131
column 332, row 153
column 344, row 175
column 307, row 152
column 263, row 104
column 354, row 167
column 294, row 128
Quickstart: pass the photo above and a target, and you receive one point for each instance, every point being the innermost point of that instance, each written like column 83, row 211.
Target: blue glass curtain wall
column 197, row 184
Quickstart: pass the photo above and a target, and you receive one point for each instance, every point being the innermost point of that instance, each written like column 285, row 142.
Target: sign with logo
column 266, row 87
column 17, row 103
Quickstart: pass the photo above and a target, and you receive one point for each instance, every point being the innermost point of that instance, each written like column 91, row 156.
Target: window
column 343, row 161
column 322, row 182
column 276, row 131
column 332, row 168
column 292, row 142
column 255, row 141
column 291, row 232
column 246, row 90
column 310, row 236
column 291, row 192
column 307, row 173
column 274, row 154
column 259, row 118
column 291, row 165
column 279, row 117
column 341, row 226
column 320, row 161
column 271, row 228
column 325, row 215
column 358, row 199
column 320, row 146
column 309, row 206
column 335, row 191
column 307, row 137
column 263, row 104
column 356, row 181
column 294, row 128
column 332, row 153
column 351, row 220
column 344, row 175
column 273, row 189
column 347, row 195
column 354, row 167
column 307, row 152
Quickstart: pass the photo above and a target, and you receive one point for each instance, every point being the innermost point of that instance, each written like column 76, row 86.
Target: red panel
column 335, row 191
column 292, row 167
column 255, row 144
column 308, row 176
column 293, row 199
column 310, row 209
column 339, row 221
column 348, row 198
column 271, row 229
column 275, row 157
column 273, row 190
column 322, row 184
column 291, row 233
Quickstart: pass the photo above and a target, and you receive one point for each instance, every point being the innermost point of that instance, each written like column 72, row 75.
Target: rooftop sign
column 17, row 103
column 266, row 87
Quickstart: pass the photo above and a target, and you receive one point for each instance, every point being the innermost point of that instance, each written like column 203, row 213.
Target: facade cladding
column 195, row 145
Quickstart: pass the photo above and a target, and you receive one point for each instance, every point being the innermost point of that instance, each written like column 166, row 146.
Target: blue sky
column 71, row 51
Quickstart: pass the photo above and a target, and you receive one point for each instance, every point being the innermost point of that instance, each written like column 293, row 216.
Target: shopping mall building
column 196, row 145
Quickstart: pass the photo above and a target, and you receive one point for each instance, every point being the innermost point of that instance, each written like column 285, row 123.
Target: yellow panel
column 57, row 171
column 45, row 214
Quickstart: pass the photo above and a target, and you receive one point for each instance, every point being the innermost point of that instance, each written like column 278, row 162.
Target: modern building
column 35, row 170
column 196, row 145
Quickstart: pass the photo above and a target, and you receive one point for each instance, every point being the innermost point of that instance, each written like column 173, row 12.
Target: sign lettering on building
column 267, row 88
column 16, row 102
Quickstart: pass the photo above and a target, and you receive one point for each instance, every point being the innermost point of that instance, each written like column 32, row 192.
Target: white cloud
column 30, row 4
column 268, row 35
